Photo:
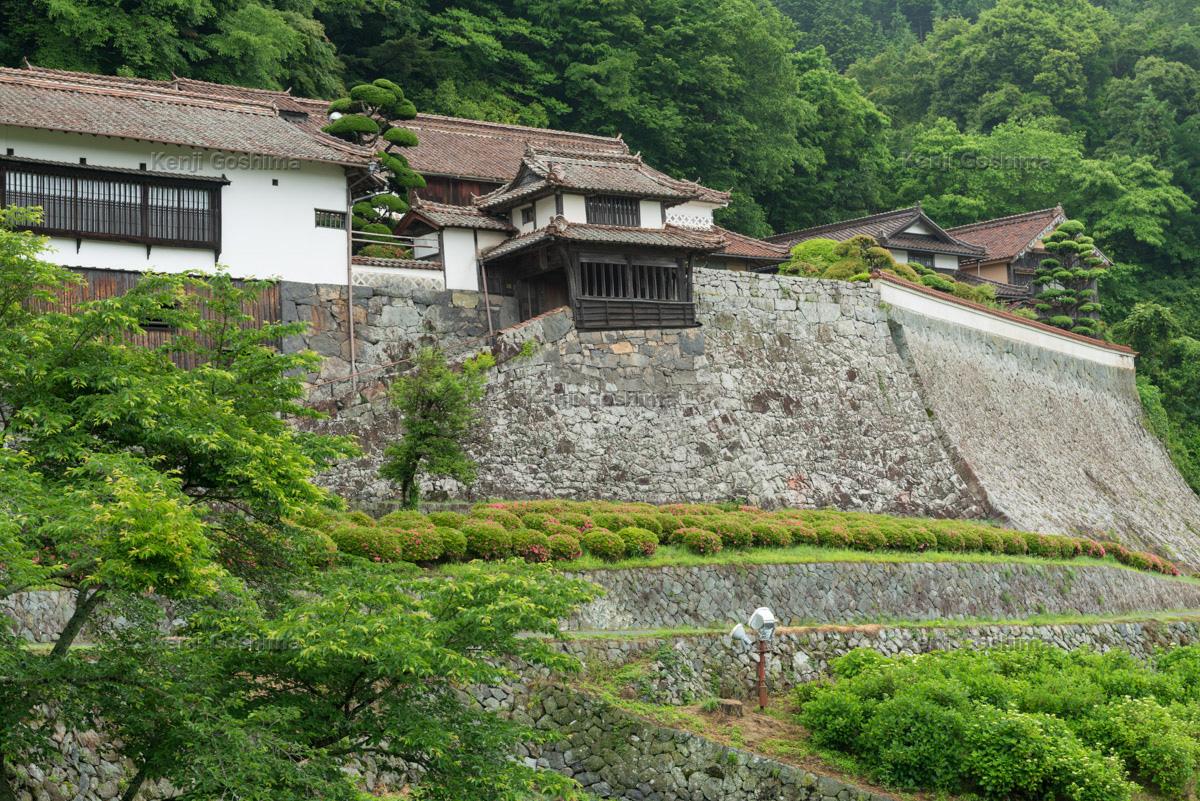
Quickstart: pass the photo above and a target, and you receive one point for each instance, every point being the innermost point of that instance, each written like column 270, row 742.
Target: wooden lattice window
column 124, row 205
column 614, row 210
column 330, row 219
column 629, row 281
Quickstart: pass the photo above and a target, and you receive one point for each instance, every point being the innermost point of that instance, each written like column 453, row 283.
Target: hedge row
column 1023, row 722
column 540, row 531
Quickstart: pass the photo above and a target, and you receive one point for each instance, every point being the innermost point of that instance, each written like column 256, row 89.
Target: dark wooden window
column 924, row 259
column 614, row 210
column 330, row 219
column 633, row 293
column 630, row 281
column 527, row 215
column 125, row 205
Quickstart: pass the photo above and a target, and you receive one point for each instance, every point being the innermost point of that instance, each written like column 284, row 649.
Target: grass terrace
column 606, row 535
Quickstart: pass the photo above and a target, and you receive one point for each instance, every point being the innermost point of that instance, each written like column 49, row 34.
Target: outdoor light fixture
column 763, row 623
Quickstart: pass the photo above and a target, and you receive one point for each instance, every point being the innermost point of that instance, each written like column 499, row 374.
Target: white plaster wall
column 693, row 214
column 574, row 208
column 918, row 228
column 544, row 210
column 948, row 311
column 515, row 219
column 458, row 258
column 266, row 230
column 899, row 255
column 944, row 261
column 651, row 214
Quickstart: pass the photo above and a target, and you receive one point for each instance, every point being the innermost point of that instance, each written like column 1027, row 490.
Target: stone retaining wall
column 38, row 616
column 687, row 669
column 615, row 755
column 846, row 592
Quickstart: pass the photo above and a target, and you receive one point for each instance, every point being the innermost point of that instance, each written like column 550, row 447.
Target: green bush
column 832, row 535
column 733, row 531
column 867, row 538
column 447, row 519
column 454, row 544
column 360, row 518
column 834, row 719
column 564, row 547
column 603, row 544
column 668, row 525
column 531, row 545
column 1154, row 744
column 487, row 539
column 1014, row 543
column 576, row 520
column 915, row 741
column 698, row 540
column 536, row 520
column 369, row 542
column 421, row 546
column 551, row 529
column 613, row 521
column 649, row 521
column 502, row 516
column 770, row 534
column 1012, row 754
column 639, row 541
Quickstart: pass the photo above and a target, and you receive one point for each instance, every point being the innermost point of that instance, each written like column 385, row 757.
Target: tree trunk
column 135, row 785
column 6, row 791
column 84, row 606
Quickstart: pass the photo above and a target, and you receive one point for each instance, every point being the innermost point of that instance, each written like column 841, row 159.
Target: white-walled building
column 177, row 175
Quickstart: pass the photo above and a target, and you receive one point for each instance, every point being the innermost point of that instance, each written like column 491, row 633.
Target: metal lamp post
column 763, row 623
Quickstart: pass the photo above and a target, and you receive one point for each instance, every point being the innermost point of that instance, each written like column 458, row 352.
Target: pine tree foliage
column 1067, row 281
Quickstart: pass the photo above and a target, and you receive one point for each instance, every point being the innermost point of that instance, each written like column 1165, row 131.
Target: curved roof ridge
column 879, row 215
column 1009, row 218
column 508, row 126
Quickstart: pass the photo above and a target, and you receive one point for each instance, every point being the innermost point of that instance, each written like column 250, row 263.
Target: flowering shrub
column 639, row 541
column 604, row 544
column 698, row 540
column 564, row 547
column 487, row 539
column 530, row 545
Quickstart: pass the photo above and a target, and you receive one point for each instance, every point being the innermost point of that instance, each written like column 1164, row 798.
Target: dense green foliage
column 612, row 531
column 1066, row 280
column 439, row 409
column 123, row 475
column 1022, row 722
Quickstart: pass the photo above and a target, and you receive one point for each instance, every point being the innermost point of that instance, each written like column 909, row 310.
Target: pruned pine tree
column 1067, row 281
column 367, row 117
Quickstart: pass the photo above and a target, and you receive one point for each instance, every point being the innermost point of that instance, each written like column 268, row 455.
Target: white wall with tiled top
column 268, row 224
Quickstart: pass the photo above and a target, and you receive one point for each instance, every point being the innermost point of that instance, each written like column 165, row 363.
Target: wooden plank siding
column 100, row 284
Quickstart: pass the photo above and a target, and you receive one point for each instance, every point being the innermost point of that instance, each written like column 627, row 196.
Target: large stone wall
column 1056, row 443
column 790, row 392
column 843, row 592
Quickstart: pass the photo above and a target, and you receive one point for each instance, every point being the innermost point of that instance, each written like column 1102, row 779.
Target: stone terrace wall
column 843, row 592
column 790, row 393
column 683, row 670
column 1056, row 443
column 613, row 754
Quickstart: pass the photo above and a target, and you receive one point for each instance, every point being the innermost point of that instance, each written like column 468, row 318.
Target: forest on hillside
column 811, row 110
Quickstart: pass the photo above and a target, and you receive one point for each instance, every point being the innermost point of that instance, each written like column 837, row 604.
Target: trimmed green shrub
column 369, row 542
column 1014, row 543
column 502, row 516
column 668, row 525
column 613, row 521
column 564, row 547
column 867, row 538
column 770, row 534
column 639, row 541
column 454, row 544
column 536, row 520
column 698, row 540
column 575, row 520
column 487, row 539
column 915, row 741
column 734, row 533
column 649, row 521
column 832, row 535
column 447, row 519
column 603, row 544
column 420, row 545
column 552, row 528
column 531, row 545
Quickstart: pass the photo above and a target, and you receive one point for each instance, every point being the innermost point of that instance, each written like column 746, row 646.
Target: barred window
column 330, row 219
column 613, row 210
column 126, row 205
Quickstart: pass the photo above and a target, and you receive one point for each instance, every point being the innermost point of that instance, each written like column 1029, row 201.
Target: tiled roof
column 1005, row 292
column 489, row 151
column 545, row 170
column 407, row 264
column 740, row 246
column 442, row 215
column 1006, row 238
column 192, row 114
column 888, row 229
column 668, row 237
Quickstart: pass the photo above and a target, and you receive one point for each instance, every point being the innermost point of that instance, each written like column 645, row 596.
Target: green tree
column 123, row 475
column 367, row 117
column 439, row 406
column 1067, row 281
